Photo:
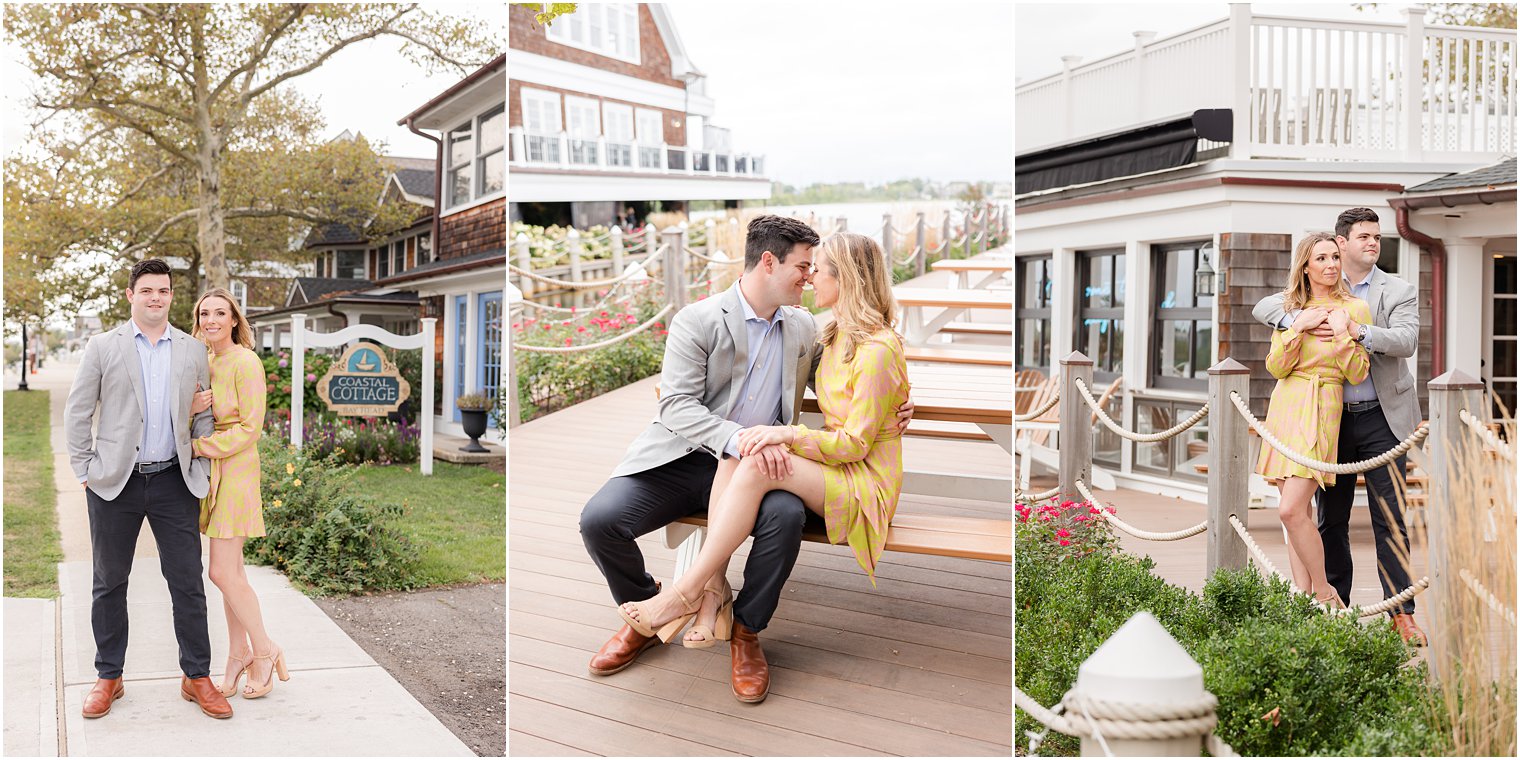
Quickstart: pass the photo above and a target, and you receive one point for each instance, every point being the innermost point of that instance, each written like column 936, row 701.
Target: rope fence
column 633, row 270
column 1486, row 596
column 1171, row 432
column 1088, row 717
column 1350, row 468
column 1041, row 496
column 583, row 312
column 1113, row 519
column 1486, row 435
column 669, row 308
column 1030, row 416
column 709, row 259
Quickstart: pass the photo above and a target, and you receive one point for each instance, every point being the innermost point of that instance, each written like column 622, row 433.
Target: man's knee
column 781, row 513
column 599, row 520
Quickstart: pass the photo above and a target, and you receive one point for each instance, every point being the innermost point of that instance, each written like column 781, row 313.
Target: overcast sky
column 833, row 92
column 365, row 88
column 1045, row 32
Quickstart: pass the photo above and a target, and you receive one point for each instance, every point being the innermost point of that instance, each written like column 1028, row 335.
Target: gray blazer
column 1392, row 338
column 110, row 376
column 706, row 356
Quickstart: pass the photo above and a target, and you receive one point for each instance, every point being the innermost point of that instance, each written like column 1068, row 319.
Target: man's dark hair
column 776, row 234
column 1350, row 217
column 148, row 266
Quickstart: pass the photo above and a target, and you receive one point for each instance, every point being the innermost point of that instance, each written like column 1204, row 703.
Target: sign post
column 368, row 390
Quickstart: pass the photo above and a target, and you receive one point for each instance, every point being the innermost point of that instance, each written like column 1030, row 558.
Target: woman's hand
column 201, row 401
column 753, row 439
column 1339, row 321
column 1308, row 319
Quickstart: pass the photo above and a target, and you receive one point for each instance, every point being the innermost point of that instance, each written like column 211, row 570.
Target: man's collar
column 749, row 311
column 1365, row 280
column 137, row 331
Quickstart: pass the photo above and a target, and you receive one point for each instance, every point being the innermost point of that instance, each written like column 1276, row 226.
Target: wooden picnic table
column 992, row 270
column 953, row 303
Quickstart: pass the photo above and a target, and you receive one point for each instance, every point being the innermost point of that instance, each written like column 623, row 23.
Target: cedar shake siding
column 1257, row 265
column 673, row 135
column 654, row 60
column 477, row 230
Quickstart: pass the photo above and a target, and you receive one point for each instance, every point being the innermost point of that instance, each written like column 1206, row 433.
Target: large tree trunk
column 211, row 224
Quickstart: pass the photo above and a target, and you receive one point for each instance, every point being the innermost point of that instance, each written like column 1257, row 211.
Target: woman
column 1305, row 410
column 231, row 511
column 850, row 472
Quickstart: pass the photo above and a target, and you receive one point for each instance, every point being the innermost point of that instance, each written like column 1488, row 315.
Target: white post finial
column 1142, row 664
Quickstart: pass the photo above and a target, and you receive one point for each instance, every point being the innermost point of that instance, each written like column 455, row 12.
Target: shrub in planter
column 320, row 534
column 1290, row 679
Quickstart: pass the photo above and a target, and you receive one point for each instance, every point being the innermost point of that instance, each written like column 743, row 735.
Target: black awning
column 1137, row 151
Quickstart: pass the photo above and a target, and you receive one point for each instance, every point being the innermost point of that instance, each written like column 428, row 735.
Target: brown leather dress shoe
column 204, row 693
column 620, row 651
column 1404, row 624
column 752, row 676
column 104, row 694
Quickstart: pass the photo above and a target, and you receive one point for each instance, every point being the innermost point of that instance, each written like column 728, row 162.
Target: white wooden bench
column 946, row 355
column 991, row 269
column 953, row 304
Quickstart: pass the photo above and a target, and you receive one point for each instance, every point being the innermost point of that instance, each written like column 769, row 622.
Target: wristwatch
column 1361, row 335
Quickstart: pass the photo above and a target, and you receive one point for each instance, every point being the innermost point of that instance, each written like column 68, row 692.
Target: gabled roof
column 1502, row 173
column 307, row 289
column 417, row 184
column 481, row 260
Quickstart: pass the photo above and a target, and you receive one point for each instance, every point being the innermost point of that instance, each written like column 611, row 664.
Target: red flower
column 604, row 313
column 1064, row 542
column 548, row 327
column 567, row 341
column 580, row 329
column 1063, row 533
column 664, row 332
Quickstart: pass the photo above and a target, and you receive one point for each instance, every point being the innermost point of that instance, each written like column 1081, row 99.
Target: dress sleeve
column 1350, row 357
column 248, row 384
column 876, row 375
column 1283, row 357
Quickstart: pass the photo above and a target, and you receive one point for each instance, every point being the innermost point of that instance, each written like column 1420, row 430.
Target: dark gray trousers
column 1365, row 435
column 630, row 506
column 173, row 514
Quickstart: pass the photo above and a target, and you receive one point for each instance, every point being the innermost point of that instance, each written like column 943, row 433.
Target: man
column 1379, row 412
column 137, row 464
column 735, row 361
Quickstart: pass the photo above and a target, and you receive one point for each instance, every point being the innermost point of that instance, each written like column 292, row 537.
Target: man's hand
column 86, row 484
column 774, row 460
column 904, row 416
column 1339, row 320
column 1310, row 320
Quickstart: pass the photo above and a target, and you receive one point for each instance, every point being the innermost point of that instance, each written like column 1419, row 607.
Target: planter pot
column 474, row 426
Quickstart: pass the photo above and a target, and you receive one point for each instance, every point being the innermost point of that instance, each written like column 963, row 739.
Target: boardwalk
column 919, row 665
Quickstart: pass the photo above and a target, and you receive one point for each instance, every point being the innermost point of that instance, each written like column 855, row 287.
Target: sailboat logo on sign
column 363, row 383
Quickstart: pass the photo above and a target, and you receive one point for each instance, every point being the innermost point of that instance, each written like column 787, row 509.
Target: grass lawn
column 32, row 548
column 457, row 518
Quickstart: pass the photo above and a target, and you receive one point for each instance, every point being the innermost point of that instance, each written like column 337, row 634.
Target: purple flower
column 284, row 363
column 311, row 377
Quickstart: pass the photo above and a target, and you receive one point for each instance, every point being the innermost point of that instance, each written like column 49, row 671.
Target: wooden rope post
column 573, row 245
column 1229, row 465
column 524, row 262
column 616, row 237
column 886, row 244
column 673, row 239
column 1075, row 431
column 981, row 244
column 841, row 224
column 944, row 236
column 1450, row 446
column 921, row 232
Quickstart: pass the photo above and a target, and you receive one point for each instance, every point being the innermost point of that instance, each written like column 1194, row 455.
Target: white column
column 1068, row 62
column 297, row 376
column 1240, row 79
column 425, row 413
column 1464, row 312
column 1141, row 40
column 1414, row 66
column 1063, row 307
column 1137, row 331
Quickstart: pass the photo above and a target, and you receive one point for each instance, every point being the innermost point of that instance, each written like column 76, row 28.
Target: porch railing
column 1299, row 88
column 561, row 150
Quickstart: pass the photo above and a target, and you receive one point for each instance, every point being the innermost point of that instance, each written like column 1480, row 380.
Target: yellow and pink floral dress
column 1305, row 410
column 232, row 507
column 859, row 447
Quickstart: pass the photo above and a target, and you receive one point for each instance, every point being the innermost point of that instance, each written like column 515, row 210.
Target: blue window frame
column 461, row 329
column 488, row 346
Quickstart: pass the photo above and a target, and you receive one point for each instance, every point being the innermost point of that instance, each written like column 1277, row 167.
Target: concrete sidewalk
column 338, row 702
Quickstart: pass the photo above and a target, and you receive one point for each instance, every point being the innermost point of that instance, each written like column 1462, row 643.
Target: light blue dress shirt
column 155, row 360
column 1363, row 391
column 759, row 400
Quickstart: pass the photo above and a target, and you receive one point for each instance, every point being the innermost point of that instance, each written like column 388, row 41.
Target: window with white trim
column 239, row 291
column 617, row 126
column 542, row 123
column 650, row 135
column 583, row 129
column 610, row 29
column 477, row 161
column 424, row 248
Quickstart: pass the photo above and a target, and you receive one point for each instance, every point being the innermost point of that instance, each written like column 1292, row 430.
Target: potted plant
column 473, row 410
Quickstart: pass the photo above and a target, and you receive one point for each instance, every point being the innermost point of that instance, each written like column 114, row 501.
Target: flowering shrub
column 320, row 534
column 1067, row 528
column 544, row 243
column 547, row 382
column 278, row 369
column 351, row 440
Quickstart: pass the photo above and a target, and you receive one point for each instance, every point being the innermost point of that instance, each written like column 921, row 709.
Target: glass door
column 489, row 349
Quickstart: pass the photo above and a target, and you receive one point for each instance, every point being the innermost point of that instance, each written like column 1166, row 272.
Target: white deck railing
column 560, row 150
column 1299, row 87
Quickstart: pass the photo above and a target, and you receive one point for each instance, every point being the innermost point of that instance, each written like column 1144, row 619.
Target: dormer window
column 610, row 29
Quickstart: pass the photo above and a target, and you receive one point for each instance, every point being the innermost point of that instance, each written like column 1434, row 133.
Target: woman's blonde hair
column 865, row 305
column 1298, row 292
column 242, row 332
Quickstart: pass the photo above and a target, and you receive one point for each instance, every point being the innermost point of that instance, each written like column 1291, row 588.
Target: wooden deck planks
column 919, row 665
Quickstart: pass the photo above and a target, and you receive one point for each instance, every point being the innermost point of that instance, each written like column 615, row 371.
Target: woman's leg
column 241, row 602
column 707, row 614
column 1296, row 567
column 727, row 527
column 1303, row 535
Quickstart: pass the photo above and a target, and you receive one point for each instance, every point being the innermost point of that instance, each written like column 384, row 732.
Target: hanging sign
column 363, row 383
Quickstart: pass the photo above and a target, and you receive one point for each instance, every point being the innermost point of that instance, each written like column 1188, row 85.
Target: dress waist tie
column 1309, row 414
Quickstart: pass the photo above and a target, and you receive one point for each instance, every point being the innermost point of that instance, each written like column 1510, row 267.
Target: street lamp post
column 22, row 386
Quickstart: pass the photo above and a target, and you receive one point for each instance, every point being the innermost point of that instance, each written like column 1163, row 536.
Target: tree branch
column 246, row 212
column 137, row 188
column 296, row 11
column 248, row 95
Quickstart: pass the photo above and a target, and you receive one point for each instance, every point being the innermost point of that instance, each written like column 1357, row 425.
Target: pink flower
column 311, row 377
column 604, row 313
column 1063, row 533
column 580, row 329
column 284, row 363
column 567, row 341
column 1064, row 542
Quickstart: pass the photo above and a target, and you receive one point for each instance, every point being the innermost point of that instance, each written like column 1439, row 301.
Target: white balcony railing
column 1299, row 88
column 560, row 150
